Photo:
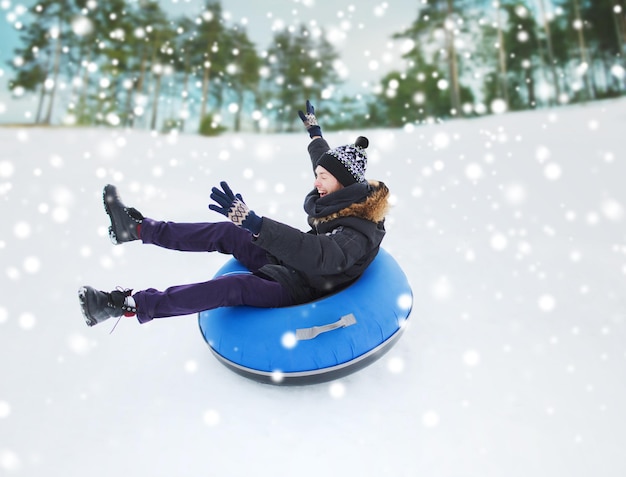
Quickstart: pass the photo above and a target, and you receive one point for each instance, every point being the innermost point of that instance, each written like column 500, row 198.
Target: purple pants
column 232, row 290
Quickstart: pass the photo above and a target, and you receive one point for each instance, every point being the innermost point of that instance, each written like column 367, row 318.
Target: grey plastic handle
column 310, row 333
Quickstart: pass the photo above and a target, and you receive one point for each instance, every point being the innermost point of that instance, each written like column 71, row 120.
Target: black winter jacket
column 347, row 228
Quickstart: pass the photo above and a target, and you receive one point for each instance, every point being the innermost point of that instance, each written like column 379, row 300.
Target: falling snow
column 5, row 409
column 510, row 229
column 211, row 418
column 430, row 419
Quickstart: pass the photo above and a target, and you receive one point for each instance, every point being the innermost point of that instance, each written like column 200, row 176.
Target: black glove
column 233, row 207
column 310, row 121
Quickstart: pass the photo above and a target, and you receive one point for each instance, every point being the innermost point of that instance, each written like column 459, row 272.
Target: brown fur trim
column 374, row 208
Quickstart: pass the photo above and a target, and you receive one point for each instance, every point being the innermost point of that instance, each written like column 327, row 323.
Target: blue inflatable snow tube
column 317, row 341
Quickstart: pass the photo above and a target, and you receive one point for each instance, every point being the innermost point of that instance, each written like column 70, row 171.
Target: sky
column 361, row 32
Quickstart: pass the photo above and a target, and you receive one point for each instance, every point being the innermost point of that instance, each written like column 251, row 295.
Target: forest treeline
column 128, row 64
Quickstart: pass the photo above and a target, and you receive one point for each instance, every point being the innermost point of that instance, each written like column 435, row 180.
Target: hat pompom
column 362, row 142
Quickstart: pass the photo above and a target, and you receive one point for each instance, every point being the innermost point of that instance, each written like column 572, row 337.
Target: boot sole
column 106, row 198
column 109, row 194
column 82, row 298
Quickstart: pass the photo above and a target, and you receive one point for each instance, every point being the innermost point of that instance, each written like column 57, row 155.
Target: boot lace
column 125, row 307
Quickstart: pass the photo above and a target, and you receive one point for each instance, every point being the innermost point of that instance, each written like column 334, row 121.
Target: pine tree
column 552, row 66
column 46, row 38
column 107, row 56
column 300, row 65
column 206, row 48
column 606, row 41
column 32, row 64
column 242, row 72
column 576, row 20
column 185, row 37
column 413, row 96
column 520, row 34
column 434, row 33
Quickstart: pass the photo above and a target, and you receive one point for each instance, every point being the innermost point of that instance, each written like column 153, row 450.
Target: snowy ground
column 510, row 228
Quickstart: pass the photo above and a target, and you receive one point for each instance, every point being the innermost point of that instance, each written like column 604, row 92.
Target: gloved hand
column 233, row 207
column 310, row 121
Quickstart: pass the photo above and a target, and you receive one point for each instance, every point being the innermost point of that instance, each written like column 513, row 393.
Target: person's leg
column 223, row 237
column 231, row 290
column 128, row 224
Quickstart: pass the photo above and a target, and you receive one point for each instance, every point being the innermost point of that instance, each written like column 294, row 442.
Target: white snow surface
column 510, row 228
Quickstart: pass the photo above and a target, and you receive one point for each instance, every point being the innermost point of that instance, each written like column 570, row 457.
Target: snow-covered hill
column 510, row 228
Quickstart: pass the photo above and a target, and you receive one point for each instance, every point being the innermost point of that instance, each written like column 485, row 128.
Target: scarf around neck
column 317, row 207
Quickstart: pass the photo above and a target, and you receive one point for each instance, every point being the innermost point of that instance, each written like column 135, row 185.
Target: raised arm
column 317, row 147
column 318, row 144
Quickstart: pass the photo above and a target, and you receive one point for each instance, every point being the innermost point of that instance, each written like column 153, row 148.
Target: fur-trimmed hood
column 372, row 205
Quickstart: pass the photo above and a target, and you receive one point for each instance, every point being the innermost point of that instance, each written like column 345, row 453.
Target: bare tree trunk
column 530, row 86
column 185, row 93
column 584, row 57
column 82, row 97
column 258, row 104
column 55, row 75
column 504, row 89
column 620, row 31
column 138, row 84
column 237, row 124
column 452, row 62
column 42, row 96
column 205, row 91
column 155, row 102
column 157, row 71
column 128, row 104
column 620, row 22
column 546, row 26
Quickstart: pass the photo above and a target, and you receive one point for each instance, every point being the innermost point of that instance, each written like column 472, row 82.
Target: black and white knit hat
column 347, row 163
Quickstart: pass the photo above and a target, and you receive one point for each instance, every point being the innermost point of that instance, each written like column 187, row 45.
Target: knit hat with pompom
column 347, row 163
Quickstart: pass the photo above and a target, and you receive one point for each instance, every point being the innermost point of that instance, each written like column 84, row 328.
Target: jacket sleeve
column 310, row 253
column 316, row 148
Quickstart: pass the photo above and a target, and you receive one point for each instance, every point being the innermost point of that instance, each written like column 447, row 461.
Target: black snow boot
column 125, row 221
column 98, row 306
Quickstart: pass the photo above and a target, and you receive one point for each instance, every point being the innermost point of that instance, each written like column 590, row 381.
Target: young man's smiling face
column 325, row 182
